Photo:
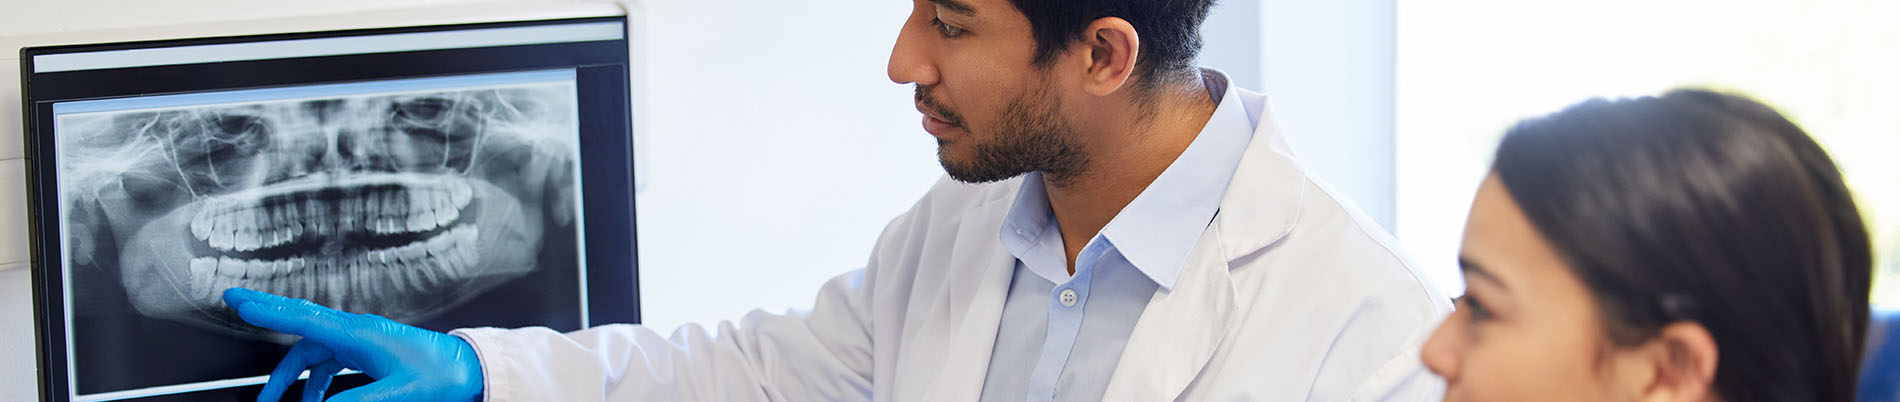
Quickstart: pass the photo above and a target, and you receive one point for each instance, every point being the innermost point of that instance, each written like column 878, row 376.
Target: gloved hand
column 407, row 363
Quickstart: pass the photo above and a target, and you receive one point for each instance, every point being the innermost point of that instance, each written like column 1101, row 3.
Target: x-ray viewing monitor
column 441, row 176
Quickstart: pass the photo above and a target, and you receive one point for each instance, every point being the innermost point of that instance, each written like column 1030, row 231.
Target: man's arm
column 821, row 354
column 1391, row 323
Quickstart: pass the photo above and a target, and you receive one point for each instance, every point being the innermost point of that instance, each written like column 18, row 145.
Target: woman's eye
column 945, row 29
column 1479, row 313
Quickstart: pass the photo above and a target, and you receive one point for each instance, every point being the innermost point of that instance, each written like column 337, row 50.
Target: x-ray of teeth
column 401, row 205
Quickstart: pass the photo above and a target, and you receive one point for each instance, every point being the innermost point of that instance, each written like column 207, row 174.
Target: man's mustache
column 923, row 97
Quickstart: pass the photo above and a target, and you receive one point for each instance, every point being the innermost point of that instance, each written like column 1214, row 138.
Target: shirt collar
column 1030, row 232
column 1157, row 230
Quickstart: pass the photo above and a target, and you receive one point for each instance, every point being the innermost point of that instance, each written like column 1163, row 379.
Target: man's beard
column 1029, row 136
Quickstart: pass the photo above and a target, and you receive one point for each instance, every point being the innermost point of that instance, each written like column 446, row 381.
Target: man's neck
column 1124, row 158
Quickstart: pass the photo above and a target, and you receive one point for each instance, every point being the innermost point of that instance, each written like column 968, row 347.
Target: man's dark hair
column 1170, row 31
column 1708, row 208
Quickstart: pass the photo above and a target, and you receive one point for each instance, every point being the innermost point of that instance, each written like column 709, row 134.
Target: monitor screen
column 444, row 177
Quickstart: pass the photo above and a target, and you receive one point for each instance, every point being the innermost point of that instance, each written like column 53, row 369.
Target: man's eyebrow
column 1472, row 268
column 955, row 6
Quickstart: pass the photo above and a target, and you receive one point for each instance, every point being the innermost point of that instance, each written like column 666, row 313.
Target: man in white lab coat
column 1119, row 225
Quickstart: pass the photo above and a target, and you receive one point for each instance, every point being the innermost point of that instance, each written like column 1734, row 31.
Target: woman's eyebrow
column 1472, row 268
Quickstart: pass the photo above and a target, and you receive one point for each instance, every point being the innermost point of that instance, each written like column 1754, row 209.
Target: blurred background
column 1468, row 69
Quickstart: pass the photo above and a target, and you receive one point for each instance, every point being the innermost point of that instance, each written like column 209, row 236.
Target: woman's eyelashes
column 1479, row 312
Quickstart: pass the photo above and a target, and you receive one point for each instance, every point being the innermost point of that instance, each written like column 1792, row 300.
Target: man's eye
column 945, row 29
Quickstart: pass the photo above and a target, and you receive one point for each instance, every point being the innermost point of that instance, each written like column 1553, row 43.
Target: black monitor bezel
column 607, row 149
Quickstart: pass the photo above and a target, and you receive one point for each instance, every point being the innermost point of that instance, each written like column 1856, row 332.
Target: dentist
column 1118, row 225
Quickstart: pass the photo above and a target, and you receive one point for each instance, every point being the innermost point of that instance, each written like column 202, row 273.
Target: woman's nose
column 1443, row 353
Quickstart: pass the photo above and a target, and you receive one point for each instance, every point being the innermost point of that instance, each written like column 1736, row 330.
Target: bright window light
column 1468, row 69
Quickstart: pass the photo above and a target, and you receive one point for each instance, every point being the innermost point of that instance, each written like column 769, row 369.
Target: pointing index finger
column 239, row 296
column 287, row 315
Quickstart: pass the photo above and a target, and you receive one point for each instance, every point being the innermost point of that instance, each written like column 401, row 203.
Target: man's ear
column 1111, row 47
column 1681, row 363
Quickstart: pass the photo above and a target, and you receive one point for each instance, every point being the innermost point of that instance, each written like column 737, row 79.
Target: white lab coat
column 1290, row 295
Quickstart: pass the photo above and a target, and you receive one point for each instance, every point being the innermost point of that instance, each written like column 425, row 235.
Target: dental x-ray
column 407, row 199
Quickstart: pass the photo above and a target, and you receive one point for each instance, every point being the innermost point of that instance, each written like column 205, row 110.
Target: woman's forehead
column 1505, row 244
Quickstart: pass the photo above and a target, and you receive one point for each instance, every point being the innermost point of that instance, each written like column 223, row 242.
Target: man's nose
column 910, row 58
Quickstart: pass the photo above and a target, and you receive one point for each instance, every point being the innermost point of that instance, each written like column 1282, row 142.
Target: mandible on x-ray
column 402, row 206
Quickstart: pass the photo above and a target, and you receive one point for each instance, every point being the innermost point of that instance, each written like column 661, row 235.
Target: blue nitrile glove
column 408, row 363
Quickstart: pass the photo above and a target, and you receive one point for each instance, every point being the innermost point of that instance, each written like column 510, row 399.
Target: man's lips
column 935, row 125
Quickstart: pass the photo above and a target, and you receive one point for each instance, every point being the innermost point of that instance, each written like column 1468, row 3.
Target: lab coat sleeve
column 1405, row 309
column 820, row 354
column 1402, row 379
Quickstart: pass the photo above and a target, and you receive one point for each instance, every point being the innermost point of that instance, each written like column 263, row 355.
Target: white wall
column 1328, row 67
column 18, row 379
column 779, row 150
column 1231, row 41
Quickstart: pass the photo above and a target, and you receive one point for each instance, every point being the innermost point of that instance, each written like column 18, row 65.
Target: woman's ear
column 1111, row 48
column 1680, row 365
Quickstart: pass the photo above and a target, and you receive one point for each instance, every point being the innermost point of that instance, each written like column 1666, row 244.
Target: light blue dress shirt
column 1062, row 336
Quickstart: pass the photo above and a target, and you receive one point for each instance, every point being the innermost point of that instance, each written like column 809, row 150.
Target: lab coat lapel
column 1179, row 330
column 1263, row 201
column 966, row 360
column 1182, row 327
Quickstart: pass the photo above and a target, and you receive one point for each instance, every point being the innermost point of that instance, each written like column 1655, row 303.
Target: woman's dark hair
column 1709, row 208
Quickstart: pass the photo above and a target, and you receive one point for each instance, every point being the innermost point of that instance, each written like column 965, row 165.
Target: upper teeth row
column 251, row 226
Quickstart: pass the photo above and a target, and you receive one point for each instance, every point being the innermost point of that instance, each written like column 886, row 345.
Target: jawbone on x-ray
column 399, row 205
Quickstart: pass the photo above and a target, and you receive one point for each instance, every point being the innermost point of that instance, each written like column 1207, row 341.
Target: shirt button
column 1068, row 298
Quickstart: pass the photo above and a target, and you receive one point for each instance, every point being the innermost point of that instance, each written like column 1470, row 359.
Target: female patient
column 1688, row 247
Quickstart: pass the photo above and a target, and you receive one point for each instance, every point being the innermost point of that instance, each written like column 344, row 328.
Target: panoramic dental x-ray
column 402, row 205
